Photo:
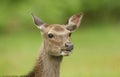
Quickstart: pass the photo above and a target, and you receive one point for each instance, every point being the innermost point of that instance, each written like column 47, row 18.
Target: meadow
column 96, row 52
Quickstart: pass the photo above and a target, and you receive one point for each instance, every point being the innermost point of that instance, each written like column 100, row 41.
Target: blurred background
column 97, row 41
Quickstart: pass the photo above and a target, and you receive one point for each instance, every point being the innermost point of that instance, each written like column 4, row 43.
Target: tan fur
column 53, row 48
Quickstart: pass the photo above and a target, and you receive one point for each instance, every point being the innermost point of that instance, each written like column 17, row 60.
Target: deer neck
column 50, row 65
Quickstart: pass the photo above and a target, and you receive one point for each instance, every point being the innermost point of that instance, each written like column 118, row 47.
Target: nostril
column 69, row 46
column 66, row 45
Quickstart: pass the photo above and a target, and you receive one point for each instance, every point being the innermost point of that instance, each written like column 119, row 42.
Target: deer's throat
column 50, row 65
column 46, row 65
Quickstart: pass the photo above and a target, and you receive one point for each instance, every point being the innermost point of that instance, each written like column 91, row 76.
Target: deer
column 56, row 44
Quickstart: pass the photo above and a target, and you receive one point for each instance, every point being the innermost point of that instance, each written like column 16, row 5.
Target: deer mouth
column 65, row 52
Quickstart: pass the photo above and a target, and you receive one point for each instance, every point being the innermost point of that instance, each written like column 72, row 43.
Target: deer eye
column 50, row 35
column 70, row 34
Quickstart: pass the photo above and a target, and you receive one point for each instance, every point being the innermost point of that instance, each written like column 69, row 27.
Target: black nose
column 69, row 46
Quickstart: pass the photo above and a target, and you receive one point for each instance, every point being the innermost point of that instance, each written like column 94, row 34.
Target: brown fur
column 53, row 48
column 58, row 28
column 46, row 65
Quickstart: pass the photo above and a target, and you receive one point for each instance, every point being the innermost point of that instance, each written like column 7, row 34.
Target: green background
column 97, row 41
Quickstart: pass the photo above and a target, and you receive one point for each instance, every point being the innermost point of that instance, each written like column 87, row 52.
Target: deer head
column 57, row 37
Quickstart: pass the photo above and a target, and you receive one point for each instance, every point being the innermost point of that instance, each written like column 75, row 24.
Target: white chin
column 65, row 53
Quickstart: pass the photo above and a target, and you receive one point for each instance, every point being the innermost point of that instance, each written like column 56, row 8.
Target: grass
column 96, row 53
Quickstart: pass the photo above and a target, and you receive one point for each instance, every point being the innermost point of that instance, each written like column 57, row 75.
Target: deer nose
column 69, row 46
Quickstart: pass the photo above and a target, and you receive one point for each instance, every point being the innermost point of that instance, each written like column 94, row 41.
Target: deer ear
column 39, row 23
column 74, row 21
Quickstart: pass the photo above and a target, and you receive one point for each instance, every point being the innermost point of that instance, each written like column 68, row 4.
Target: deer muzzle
column 69, row 46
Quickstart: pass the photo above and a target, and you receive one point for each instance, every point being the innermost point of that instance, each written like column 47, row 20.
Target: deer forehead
column 58, row 29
